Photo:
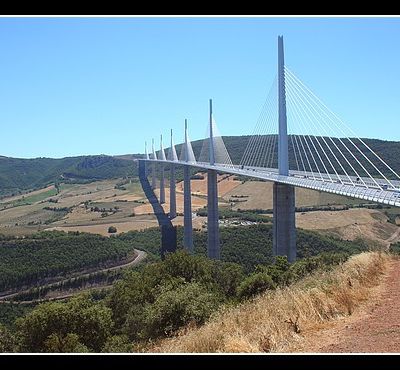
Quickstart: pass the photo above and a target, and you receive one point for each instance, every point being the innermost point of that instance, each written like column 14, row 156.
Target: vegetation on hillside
column 21, row 174
column 18, row 174
column 151, row 303
column 47, row 254
column 273, row 321
column 252, row 245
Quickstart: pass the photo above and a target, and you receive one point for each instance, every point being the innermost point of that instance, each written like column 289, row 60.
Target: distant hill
column 22, row 174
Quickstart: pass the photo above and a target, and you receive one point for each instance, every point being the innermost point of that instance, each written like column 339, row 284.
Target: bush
column 80, row 324
column 117, row 343
column 255, row 284
column 56, row 343
column 227, row 276
column 112, row 229
column 394, row 248
column 182, row 264
column 7, row 340
column 278, row 271
column 176, row 307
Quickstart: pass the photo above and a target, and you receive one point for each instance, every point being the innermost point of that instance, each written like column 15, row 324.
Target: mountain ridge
column 20, row 174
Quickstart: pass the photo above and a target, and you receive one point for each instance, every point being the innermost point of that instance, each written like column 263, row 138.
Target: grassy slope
column 271, row 322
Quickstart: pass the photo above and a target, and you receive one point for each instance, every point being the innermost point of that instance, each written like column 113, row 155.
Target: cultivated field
column 96, row 206
column 93, row 208
column 351, row 224
column 258, row 194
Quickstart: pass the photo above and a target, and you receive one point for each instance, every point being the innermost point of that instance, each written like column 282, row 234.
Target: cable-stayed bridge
column 297, row 142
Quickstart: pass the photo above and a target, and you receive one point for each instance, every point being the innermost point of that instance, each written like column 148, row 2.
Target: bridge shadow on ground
column 168, row 231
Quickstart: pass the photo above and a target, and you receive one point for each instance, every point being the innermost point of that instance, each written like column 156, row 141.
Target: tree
column 57, row 186
column 175, row 307
column 228, row 276
column 55, row 343
column 255, row 284
column 8, row 342
column 79, row 323
column 117, row 343
column 112, row 229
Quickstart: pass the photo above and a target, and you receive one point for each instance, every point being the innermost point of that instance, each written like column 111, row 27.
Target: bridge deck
column 373, row 190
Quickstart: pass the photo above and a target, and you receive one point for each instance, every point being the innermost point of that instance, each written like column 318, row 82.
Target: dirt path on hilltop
column 376, row 328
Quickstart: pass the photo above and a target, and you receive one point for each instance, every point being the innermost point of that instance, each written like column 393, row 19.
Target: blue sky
column 79, row 86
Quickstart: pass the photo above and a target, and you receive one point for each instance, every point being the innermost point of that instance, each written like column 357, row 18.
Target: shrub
column 395, row 248
column 182, row 264
column 112, row 229
column 80, row 324
column 117, row 343
column 56, row 343
column 7, row 340
column 278, row 271
column 227, row 276
column 174, row 308
column 255, row 284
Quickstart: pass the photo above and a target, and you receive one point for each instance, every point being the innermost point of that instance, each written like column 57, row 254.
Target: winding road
column 140, row 256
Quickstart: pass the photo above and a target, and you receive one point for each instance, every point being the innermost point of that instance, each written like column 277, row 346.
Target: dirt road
column 374, row 329
column 140, row 256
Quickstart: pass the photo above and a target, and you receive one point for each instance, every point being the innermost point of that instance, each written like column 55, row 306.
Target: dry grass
column 259, row 195
column 226, row 184
column 367, row 224
column 276, row 321
column 102, row 228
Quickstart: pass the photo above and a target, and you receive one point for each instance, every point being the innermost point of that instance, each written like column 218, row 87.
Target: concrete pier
column 172, row 192
column 153, row 175
column 187, row 211
column 162, row 185
column 284, row 228
column 284, row 222
column 213, row 243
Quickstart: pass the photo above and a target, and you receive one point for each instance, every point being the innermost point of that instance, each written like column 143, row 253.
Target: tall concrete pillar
column 187, row 211
column 187, row 200
column 213, row 245
column 284, row 226
column 153, row 168
column 162, row 185
column 153, row 175
column 146, row 156
column 172, row 192
column 213, row 249
column 284, row 222
column 172, row 181
column 162, row 180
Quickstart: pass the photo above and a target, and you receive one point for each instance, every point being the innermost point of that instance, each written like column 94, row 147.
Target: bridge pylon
column 172, row 180
column 187, row 199
column 153, row 167
column 162, row 179
column 284, row 221
column 213, row 243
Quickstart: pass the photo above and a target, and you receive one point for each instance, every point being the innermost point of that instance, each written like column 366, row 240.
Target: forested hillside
column 247, row 246
column 47, row 254
column 22, row 174
column 153, row 300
